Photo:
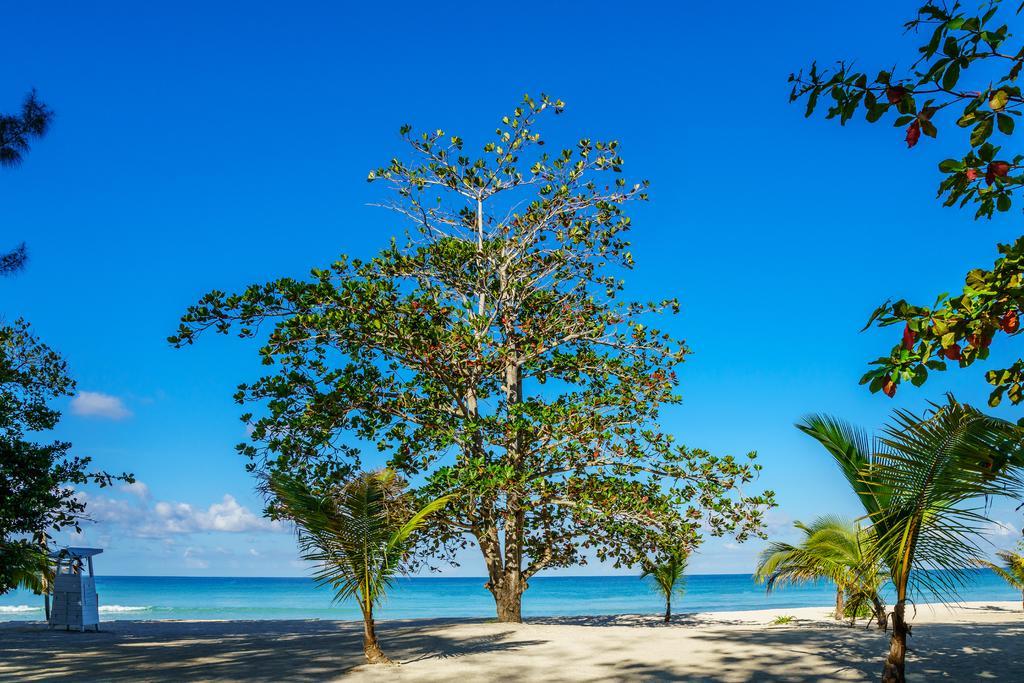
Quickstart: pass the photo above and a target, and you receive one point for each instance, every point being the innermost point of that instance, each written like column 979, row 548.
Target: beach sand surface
column 973, row 641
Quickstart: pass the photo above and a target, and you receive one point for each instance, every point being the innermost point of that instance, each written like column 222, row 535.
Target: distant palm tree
column 359, row 535
column 667, row 574
column 833, row 549
column 917, row 483
column 1012, row 570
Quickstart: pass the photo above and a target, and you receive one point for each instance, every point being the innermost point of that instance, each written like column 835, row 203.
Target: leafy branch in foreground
column 957, row 329
column 966, row 73
column 18, row 130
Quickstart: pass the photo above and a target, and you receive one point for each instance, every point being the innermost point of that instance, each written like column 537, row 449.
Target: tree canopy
column 488, row 350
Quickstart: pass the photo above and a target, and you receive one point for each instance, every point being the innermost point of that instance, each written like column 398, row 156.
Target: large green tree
column 488, row 351
column 963, row 83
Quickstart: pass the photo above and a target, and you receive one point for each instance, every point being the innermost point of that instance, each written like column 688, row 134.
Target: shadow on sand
column 481, row 650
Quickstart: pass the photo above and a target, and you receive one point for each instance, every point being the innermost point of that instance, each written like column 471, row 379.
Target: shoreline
column 753, row 616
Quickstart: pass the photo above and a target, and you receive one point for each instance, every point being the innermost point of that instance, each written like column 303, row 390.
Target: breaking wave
column 18, row 609
column 124, row 608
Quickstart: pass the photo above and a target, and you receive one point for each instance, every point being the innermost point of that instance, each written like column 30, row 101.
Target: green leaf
column 951, row 76
column 981, row 132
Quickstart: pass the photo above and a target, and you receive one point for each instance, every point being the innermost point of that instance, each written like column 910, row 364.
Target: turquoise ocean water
column 165, row 597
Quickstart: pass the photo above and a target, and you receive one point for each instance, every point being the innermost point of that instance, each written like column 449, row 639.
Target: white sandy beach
column 973, row 641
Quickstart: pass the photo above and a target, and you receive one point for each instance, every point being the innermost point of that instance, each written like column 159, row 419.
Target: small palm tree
column 29, row 567
column 833, row 549
column 359, row 535
column 1012, row 570
column 918, row 482
column 667, row 574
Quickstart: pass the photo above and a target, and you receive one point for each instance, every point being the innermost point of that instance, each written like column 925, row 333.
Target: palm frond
column 358, row 535
column 832, row 549
column 924, row 485
column 667, row 573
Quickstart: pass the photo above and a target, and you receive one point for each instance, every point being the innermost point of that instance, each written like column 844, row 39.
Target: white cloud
column 136, row 488
column 1000, row 529
column 167, row 518
column 97, row 404
column 226, row 515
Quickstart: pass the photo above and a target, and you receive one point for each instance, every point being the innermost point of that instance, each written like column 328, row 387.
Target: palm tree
column 918, row 483
column 667, row 574
column 358, row 534
column 29, row 567
column 833, row 549
column 1012, row 570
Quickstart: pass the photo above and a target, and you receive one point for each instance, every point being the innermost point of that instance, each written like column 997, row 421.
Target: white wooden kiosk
column 75, row 603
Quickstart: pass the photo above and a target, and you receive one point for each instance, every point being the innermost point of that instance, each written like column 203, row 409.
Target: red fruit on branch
column 952, row 352
column 889, row 388
column 971, row 173
column 913, row 133
column 1010, row 322
column 997, row 169
column 895, row 93
column 908, row 338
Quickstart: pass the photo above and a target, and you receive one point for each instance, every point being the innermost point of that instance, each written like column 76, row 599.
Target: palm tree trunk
column 840, row 607
column 371, row 647
column 668, row 609
column 881, row 618
column 895, row 662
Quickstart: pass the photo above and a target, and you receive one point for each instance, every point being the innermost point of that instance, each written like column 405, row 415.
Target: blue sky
column 200, row 147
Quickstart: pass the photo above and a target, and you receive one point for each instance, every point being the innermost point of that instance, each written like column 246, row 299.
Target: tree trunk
column 371, row 647
column 895, row 662
column 668, row 610
column 1022, row 598
column 508, row 598
column 881, row 618
column 46, row 605
column 840, row 606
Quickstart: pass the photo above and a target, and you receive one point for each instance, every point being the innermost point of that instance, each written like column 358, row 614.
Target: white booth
column 75, row 602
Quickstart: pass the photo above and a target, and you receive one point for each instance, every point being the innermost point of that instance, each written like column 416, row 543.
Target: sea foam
column 17, row 609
